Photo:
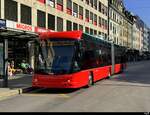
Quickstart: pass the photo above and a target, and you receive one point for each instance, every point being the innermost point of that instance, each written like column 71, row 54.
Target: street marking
column 40, row 95
column 64, row 95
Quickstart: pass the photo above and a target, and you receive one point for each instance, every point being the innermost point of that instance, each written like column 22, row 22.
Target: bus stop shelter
column 9, row 32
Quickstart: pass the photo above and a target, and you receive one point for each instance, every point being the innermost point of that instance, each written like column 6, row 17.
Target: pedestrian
column 11, row 70
column 23, row 66
column 26, row 67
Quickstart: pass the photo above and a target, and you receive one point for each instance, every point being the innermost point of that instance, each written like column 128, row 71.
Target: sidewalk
column 16, row 85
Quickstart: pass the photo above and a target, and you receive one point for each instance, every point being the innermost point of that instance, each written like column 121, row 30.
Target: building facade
column 59, row 15
column 33, row 16
column 115, row 21
column 136, row 34
column 145, row 39
column 149, row 39
column 120, row 24
column 141, row 25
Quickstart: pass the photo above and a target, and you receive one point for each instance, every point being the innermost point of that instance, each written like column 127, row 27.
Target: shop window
column 59, row 24
column 26, row 14
column 41, row 19
column 110, row 13
column 60, row 5
column 103, row 35
column 92, row 3
column 106, row 24
column 95, row 4
column 87, row 15
column 95, row 32
column 87, row 2
column 42, row 1
column 51, row 3
column 87, row 29
column 11, row 8
column 81, row 12
column 75, row 10
column 106, row 11
column 100, row 5
column 102, row 9
column 75, row 26
column 99, row 34
column 95, row 19
column 111, row 26
column 81, row 27
column 103, row 23
column 100, row 22
column 91, row 31
column 91, row 17
column 51, row 22
column 69, row 7
column 69, row 25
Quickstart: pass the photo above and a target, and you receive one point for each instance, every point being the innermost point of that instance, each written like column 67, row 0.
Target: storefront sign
column 40, row 30
column 24, row 27
column 2, row 24
column 19, row 26
column 10, row 24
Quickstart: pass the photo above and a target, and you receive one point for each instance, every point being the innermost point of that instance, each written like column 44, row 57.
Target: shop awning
column 17, row 34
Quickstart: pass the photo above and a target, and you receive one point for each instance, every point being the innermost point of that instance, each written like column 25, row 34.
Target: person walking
column 26, row 67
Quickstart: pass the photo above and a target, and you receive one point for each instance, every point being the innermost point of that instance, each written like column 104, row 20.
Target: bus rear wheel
column 90, row 80
column 109, row 76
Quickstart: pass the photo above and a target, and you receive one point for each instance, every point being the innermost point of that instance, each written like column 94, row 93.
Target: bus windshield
column 54, row 57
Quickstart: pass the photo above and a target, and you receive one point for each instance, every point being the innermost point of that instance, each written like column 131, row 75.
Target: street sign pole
column 112, row 43
column 112, row 58
column 5, row 76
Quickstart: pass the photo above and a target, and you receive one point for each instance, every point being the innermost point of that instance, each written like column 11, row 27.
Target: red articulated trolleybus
column 73, row 59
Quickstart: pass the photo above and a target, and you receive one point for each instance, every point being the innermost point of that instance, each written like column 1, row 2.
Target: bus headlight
column 35, row 80
column 69, row 81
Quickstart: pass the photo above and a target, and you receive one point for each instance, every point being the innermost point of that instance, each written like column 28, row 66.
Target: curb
column 13, row 92
column 25, row 90
column 5, row 95
column 28, row 89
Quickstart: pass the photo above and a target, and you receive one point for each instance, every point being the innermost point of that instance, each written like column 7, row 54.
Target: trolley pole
column 112, row 58
column 5, row 58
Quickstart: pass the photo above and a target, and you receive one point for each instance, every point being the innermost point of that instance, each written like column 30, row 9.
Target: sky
column 139, row 7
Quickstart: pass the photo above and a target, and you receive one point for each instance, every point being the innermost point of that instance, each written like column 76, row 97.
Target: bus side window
column 77, row 60
column 76, row 66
